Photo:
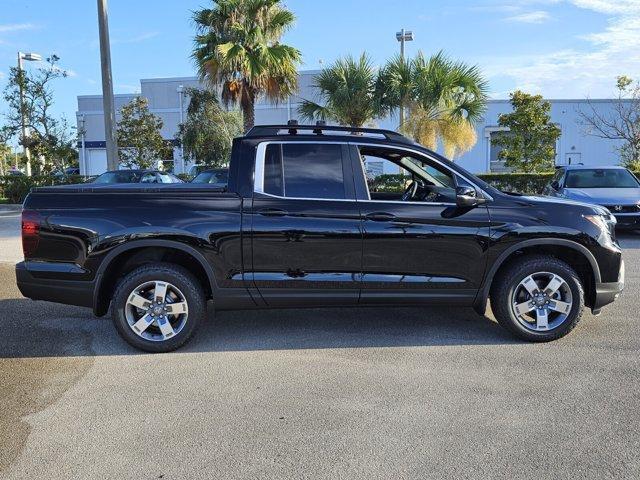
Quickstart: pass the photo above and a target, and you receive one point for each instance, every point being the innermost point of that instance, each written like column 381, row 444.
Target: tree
column 208, row 131
column 623, row 124
column 139, row 138
column 48, row 137
column 443, row 97
column 238, row 48
column 5, row 157
column 348, row 92
column 530, row 143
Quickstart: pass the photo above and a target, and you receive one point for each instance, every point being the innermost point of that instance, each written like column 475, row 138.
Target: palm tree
column 238, row 48
column 349, row 93
column 445, row 98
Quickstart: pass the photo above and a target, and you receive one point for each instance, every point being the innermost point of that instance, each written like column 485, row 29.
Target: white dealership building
column 167, row 100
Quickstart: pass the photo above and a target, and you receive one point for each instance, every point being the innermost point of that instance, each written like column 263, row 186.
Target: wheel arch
column 124, row 258
column 588, row 265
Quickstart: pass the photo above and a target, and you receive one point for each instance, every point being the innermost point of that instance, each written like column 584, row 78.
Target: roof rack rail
column 321, row 128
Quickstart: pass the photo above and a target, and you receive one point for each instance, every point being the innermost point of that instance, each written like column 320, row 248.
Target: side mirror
column 555, row 185
column 467, row 197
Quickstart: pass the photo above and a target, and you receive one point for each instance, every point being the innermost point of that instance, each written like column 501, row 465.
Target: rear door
column 305, row 223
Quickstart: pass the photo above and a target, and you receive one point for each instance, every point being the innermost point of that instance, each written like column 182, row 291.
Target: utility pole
column 180, row 91
column 107, row 88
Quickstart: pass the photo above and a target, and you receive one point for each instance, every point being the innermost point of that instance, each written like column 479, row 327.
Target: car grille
column 623, row 208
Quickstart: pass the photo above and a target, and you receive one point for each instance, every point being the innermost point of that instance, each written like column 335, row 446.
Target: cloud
column 610, row 7
column 538, row 16
column 577, row 72
column 137, row 39
column 15, row 27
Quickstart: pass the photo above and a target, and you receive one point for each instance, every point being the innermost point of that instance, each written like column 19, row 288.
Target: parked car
column 66, row 172
column 195, row 170
column 297, row 227
column 615, row 188
column 136, row 176
column 15, row 172
column 218, row 177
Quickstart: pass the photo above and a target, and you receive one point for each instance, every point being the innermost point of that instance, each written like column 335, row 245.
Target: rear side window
column 304, row 171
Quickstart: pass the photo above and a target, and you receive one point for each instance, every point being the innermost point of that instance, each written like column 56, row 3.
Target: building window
column 495, row 163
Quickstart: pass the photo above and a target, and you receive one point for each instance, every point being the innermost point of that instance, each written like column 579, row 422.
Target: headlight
column 597, row 220
column 606, row 224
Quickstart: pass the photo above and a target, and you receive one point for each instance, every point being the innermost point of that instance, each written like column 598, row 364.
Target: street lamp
column 180, row 91
column 403, row 36
column 29, row 57
column 82, row 132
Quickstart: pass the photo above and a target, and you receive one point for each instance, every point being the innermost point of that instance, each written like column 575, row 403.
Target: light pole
column 82, row 131
column 180, row 91
column 30, row 57
column 107, row 88
column 403, row 36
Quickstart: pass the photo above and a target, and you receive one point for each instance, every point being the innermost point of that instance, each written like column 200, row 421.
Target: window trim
column 259, row 171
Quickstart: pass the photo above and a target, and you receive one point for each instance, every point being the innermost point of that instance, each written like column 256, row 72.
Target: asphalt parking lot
column 377, row 393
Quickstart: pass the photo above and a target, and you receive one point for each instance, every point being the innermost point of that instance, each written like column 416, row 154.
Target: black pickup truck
column 303, row 223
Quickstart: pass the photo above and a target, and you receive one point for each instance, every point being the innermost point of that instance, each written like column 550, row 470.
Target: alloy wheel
column 156, row 311
column 542, row 301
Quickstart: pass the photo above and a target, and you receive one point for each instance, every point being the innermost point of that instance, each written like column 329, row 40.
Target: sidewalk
column 10, row 245
column 9, row 210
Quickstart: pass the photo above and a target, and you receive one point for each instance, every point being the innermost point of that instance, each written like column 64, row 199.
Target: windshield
column 601, row 178
column 118, row 177
column 218, row 178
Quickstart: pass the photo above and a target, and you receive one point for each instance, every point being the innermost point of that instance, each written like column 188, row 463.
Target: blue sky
column 560, row 48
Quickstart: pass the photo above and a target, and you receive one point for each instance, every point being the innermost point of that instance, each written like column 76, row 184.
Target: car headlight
column 605, row 222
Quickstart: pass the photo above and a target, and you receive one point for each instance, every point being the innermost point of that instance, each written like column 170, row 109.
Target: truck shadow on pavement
column 41, row 329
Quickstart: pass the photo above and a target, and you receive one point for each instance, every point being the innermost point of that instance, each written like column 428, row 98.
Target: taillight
column 30, row 232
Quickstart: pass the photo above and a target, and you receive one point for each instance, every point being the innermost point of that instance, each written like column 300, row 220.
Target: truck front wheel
column 538, row 298
column 157, row 308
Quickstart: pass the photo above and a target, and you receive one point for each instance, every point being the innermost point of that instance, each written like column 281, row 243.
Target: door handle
column 380, row 217
column 273, row 212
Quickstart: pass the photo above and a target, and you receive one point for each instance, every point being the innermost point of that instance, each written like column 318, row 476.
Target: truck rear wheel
column 539, row 298
column 157, row 308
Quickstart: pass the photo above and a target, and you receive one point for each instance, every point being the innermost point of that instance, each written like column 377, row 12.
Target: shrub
column 529, row 183
column 16, row 187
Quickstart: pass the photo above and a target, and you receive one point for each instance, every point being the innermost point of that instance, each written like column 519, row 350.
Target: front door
column 305, row 223
column 419, row 247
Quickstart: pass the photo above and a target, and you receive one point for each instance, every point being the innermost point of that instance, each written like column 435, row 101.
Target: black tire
column 503, row 290
column 177, row 276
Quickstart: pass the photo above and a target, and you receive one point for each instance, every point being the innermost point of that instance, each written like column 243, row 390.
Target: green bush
column 528, row 183
column 393, row 183
column 16, row 187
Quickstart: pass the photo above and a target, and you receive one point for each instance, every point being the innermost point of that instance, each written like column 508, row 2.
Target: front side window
column 304, row 171
column 406, row 178
column 149, row 178
column 118, row 177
